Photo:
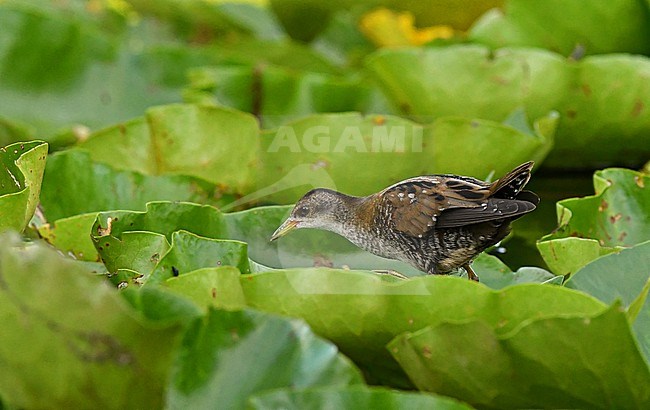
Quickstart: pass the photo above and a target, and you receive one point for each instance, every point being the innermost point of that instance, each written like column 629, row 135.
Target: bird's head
column 319, row 208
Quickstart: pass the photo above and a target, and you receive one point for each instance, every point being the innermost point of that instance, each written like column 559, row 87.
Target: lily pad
column 21, row 174
column 617, row 215
column 535, row 365
column 71, row 235
column 277, row 95
column 221, row 361
column 214, row 144
column 621, row 276
column 361, row 313
column 189, row 252
column 74, row 184
column 89, row 335
column 601, row 99
column 216, row 287
column 562, row 26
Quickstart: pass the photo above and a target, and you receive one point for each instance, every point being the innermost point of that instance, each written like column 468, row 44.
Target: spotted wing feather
column 416, row 204
column 494, row 209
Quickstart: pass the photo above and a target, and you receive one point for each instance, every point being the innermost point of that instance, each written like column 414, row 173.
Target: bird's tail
column 512, row 183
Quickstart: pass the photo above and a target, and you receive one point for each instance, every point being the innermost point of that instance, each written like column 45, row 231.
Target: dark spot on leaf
column 638, row 107
column 615, row 218
column 214, row 293
column 426, row 352
column 405, row 107
column 586, row 90
column 154, row 258
column 603, row 206
column 107, row 244
column 571, row 113
column 174, row 271
column 622, row 236
column 234, row 334
column 638, row 180
column 500, row 80
column 100, row 249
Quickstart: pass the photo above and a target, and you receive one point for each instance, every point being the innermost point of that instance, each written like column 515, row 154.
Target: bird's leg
column 390, row 272
column 471, row 275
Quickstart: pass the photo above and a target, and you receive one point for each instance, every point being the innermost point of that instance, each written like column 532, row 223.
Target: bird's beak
column 288, row 225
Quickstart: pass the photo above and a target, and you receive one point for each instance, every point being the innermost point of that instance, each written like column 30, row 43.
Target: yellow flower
column 386, row 28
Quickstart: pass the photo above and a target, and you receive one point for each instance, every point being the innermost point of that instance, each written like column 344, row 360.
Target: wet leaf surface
column 535, row 365
column 21, row 174
column 616, row 216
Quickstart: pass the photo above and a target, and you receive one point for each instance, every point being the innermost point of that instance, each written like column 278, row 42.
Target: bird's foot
column 471, row 275
column 390, row 272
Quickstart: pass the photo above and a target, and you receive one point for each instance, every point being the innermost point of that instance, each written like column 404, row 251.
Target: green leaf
column 221, row 350
column 214, row 144
column 617, row 215
column 216, row 287
column 470, row 80
column 133, row 251
column 71, row 235
column 621, row 276
column 600, row 99
column 562, row 26
column 21, row 174
column 361, row 313
column 324, row 150
column 355, row 397
column 276, row 95
column 189, row 252
column 565, row 256
column 74, row 184
column 55, row 309
column 497, row 275
column 160, row 305
column 585, row 361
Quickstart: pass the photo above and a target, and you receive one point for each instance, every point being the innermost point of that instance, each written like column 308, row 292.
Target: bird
column 436, row 223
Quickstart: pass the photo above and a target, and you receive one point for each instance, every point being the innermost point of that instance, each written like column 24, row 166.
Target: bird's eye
column 302, row 211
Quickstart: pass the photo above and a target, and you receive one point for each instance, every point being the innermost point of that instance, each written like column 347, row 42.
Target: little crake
column 437, row 223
